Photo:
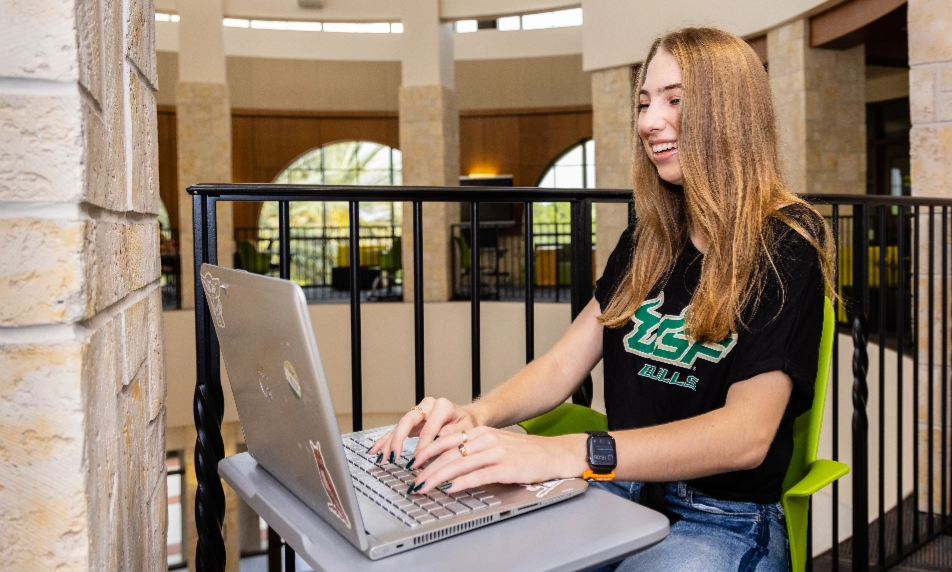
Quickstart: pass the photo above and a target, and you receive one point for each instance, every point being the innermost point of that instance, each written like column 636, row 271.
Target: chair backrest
column 252, row 260
column 806, row 428
column 465, row 254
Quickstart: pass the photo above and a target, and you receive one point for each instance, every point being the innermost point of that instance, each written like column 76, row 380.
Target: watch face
column 601, row 451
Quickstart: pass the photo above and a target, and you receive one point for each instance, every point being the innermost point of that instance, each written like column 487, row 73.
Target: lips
column 663, row 151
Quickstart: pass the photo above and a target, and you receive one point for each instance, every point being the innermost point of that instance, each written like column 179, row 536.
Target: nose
column 650, row 120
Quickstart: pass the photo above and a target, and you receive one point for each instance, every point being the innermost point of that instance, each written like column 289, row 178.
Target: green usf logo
column 662, row 338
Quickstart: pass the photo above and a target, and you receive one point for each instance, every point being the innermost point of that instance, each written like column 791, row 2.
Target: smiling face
column 659, row 117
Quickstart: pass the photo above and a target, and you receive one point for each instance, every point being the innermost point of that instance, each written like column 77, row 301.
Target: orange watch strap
column 591, row 475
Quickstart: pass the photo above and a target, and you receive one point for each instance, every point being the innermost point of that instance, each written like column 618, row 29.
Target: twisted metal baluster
column 208, row 406
column 210, row 496
column 860, row 444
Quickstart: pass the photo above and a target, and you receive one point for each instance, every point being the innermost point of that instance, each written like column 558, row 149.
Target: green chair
column 805, row 475
column 252, row 260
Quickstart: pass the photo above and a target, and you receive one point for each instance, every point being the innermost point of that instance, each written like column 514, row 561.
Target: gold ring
column 462, row 449
column 420, row 409
column 464, row 437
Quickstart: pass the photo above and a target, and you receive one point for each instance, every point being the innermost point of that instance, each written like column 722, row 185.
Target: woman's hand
column 431, row 419
column 497, row 456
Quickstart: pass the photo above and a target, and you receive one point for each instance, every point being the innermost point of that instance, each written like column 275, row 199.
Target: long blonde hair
column 733, row 187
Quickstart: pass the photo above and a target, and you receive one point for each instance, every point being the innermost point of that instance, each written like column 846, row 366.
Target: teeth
column 663, row 147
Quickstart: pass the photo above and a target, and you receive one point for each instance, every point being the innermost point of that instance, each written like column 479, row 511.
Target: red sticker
column 334, row 504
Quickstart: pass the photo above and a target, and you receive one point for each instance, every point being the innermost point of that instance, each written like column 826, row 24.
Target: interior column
column 429, row 140
column 203, row 126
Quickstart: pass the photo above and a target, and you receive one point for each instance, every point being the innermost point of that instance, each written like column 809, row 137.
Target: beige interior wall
column 263, row 83
column 523, row 83
column 885, row 83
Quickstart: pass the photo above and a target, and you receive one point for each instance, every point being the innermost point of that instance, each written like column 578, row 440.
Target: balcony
column 888, row 413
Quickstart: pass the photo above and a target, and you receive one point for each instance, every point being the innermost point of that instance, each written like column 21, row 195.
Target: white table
column 581, row 533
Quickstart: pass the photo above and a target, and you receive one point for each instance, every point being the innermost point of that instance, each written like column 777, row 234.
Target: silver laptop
column 290, row 429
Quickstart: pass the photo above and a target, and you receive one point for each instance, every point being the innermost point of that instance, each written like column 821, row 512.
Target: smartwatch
column 601, row 457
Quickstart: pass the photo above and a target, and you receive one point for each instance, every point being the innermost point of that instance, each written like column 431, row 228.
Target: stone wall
column 930, row 102
column 82, row 375
column 429, row 141
column 820, row 100
column 612, row 130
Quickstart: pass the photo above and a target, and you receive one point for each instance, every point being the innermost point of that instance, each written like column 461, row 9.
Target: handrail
column 910, row 213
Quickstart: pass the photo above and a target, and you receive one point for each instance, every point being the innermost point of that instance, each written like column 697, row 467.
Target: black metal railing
column 892, row 278
column 320, row 259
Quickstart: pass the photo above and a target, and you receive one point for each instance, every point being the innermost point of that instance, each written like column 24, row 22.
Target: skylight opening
column 301, row 26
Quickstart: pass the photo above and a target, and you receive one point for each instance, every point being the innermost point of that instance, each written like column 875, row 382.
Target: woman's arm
column 535, row 389
column 548, row 381
column 734, row 437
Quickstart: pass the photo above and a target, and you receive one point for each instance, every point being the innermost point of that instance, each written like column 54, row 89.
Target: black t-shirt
column 654, row 374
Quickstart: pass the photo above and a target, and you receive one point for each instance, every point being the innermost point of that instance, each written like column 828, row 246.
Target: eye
column 642, row 107
column 675, row 101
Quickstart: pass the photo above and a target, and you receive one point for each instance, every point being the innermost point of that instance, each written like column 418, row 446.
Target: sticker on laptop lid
column 212, row 287
column 544, row 488
column 334, row 504
column 291, row 376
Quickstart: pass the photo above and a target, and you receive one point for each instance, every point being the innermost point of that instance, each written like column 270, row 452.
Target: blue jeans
column 713, row 535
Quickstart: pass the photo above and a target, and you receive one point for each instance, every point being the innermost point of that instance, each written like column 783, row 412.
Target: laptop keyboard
column 386, row 484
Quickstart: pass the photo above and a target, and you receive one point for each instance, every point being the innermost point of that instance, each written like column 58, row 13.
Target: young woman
column 708, row 318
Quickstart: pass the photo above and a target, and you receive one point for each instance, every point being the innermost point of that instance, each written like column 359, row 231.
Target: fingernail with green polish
column 393, row 457
column 445, row 486
column 410, row 464
column 435, row 438
column 379, row 458
column 419, row 486
column 410, row 487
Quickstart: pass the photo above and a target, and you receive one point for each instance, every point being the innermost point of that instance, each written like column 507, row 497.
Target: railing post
column 209, row 402
column 860, row 390
column 582, row 277
column 356, row 379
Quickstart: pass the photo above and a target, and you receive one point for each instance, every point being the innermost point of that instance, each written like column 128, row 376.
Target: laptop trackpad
column 377, row 521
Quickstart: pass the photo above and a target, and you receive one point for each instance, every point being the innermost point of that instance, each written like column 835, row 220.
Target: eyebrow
column 662, row 90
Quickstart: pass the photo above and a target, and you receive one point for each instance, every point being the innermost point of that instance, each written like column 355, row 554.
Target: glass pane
column 397, row 177
column 507, row 24
column 590, row 177
column 306, row 214
column 373, row 156
column 236, row 23
column 373, row 177
column 565, row 18
column 338, row 215
column 396, row 28
column 537, row 21
column 548, row 181
column 590, row 152
column 375, row 213
column 305, row 26
column 573, row 157
column 341, row 176
column 466, row 26
column 397, row 159
column 341, row 155
column 374, row 28
column 568, row 177
column 340, row 27
column 269, row 25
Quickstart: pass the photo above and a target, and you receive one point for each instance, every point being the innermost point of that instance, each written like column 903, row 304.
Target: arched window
column 574, row 168
column 320, row 231
column 340, row 163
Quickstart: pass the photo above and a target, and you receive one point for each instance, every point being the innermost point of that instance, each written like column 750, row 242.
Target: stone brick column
column 820, row 98
column 82, row 372
column 203, row 128
column 429, row 141
column 930, row 102
column 612, row 130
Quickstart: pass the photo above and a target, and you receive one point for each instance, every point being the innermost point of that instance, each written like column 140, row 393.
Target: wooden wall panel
column 517, row 142
column 168, row 162
column 520, row 143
